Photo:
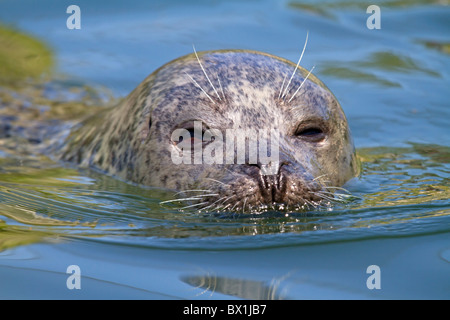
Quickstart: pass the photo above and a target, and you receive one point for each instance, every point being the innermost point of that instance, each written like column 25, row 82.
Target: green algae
column 22, row 57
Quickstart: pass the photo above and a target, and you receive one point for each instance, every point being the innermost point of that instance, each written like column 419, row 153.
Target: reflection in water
column 22, row 57
column 368, row 69
column 241, row 288
column 12, row 236
column 407, row 176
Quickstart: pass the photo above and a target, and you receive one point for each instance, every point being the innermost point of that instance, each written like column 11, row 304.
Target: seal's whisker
column 212, row 204
column 220, row 182
column 298, row 63
column 282, row 86
column 193, row 190
column 206, row 75
column 330, row 193
column 323, row 183
column 194, row 205
column 179, row 200
column 208, row 195
column 338, row 188
column 219, row 202
column 312, row 204
column 324, row 196
column 206, row 208
column 341, row 196
column 224, row 201
column 316, row 178
column 195, row 82
column 245, row 202
column 232, row 208
column 301, row 84
column 223, row 208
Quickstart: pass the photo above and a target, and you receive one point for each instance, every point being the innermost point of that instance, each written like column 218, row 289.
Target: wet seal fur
column 228, row 89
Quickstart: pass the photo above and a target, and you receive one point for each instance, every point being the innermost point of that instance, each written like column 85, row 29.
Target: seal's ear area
column 147, row 134
column 145, row 128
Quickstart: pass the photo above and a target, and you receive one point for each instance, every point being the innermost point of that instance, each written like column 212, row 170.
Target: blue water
column 392, row 84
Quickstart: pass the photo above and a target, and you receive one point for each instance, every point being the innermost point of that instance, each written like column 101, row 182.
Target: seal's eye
column 192, row 133
column 312, row 134
column 193, row 138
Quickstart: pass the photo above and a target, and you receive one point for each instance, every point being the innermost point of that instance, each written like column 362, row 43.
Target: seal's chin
column 257, row 194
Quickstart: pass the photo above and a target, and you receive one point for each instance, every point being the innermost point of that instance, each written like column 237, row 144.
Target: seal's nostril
column 272, row 168
column 273, row 186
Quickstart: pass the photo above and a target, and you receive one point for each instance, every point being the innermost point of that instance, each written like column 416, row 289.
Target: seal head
column 222, row 96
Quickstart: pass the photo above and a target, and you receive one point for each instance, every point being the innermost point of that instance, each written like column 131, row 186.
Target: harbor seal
column 222, row 90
